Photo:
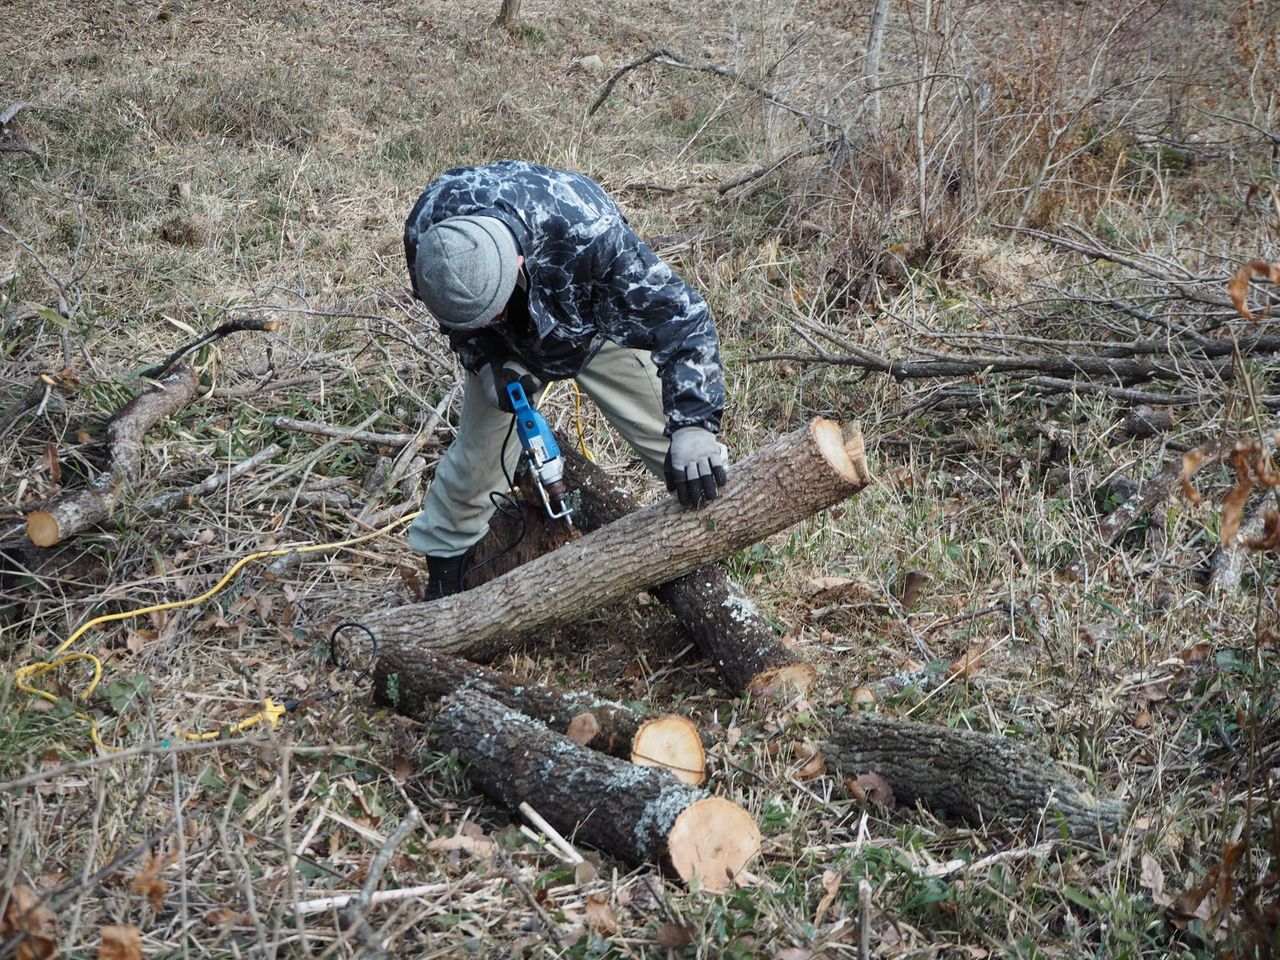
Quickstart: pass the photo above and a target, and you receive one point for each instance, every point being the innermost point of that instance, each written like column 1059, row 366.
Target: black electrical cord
column 338, row 663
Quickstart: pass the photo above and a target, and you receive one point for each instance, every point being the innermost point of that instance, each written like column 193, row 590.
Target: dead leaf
column 1152, row 879
column 226, row 917
column 1197, row 651
column 28, row 921
column 52, row 462
column 912, row 584
column 1191, row 461
column 401, row 769
column 601, row 916
column 831, row 888
column 871, row 788
column 1142, row 720
column 148, row 883
column 966, row 666
column 1238, row 285
column 793, row 953
column 120, row 943
column 673, row 936
column 584, row 872
column 812, row 763
column 583, row 728
column 480, row 847
column 1233, row 503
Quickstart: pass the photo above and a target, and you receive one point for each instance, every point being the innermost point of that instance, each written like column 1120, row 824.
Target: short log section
column 976, row 776
column 412, row 683
column 635, row 813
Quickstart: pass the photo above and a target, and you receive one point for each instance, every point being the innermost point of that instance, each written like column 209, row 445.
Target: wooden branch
column 226, row 329
column 793, row 478
column 636, row 813
column 976, row 776
column 75, row 510
column 413, row 681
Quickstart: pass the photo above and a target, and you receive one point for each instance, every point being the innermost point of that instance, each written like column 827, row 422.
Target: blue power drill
column 542, row 453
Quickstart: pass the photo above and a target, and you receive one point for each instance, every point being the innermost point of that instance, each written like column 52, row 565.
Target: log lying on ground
column 976, row 776
column 792, row 478
column 638, row 814
column 724, row 624
column 413, row 682
column 78, row 509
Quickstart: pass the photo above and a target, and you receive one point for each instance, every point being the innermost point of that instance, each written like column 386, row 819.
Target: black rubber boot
column 445, row 576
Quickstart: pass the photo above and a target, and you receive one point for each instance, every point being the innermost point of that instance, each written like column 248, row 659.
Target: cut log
column 673, row 742
column 975, row 776
column 413, row 682
column 792, row 478
column 725, row 625
column 638, row 814
column 76, row 510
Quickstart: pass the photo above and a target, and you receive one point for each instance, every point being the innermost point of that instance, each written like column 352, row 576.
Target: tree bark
column 75, row 510
column 636, row 813
column 976, row 776
column 508, row 14
column 719, row 617
column 794, row 477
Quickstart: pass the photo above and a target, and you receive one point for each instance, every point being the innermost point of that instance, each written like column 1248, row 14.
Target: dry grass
column 193, row 162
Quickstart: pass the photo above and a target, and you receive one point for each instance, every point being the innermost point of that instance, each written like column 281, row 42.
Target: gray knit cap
column 466, row 270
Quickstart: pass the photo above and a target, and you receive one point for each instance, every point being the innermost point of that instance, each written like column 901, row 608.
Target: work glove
column 496, row 374
column 695, row 466
column 445, row 576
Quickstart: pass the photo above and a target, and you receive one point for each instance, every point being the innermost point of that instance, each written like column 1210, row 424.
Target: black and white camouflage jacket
column 591, row 279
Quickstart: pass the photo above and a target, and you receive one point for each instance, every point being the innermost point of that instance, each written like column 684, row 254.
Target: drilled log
column 636, row 813
column 976, row 776
column 791, row 479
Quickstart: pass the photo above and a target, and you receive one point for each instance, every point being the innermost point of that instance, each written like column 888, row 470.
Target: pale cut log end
column 791, row 680
column 673, row 742
column 828, row 437
column 856, row 450
column 713, row 839
column 583, row 728
column 42, row 528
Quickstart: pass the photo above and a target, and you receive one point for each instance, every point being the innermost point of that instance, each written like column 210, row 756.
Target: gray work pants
column 622, row 382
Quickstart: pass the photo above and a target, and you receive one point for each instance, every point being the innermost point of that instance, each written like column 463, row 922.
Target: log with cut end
column 636, row 813
column 792, row 478
column 78, row 509
column 412, row 682
column 975, row 776
column 724, row 624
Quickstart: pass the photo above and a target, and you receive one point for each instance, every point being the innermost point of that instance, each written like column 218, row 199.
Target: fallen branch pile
column 1142, row 337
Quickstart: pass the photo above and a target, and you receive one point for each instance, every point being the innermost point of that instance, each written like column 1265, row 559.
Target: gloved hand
column 695, row 465
column 496, row 374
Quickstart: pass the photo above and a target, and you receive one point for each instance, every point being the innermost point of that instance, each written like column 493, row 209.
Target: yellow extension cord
column 271, row 711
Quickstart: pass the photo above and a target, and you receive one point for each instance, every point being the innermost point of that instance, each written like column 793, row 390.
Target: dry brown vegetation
column 1014, row 272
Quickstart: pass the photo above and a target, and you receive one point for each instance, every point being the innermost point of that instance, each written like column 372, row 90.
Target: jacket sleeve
column 648, row 307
